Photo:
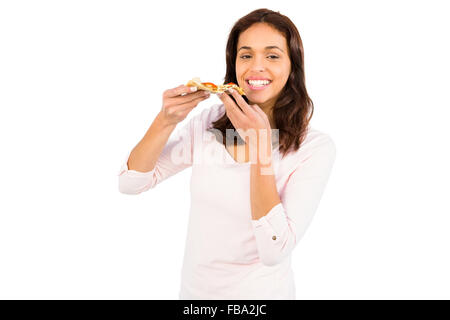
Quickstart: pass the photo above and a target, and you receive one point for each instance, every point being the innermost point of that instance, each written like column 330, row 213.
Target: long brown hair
column 293, row 109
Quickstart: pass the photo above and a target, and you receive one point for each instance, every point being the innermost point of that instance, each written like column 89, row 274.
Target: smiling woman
column 246, row 217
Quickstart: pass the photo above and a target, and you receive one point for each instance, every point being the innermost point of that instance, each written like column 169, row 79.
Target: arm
column 284, row 224
column 152, row 160
column 263, row 189
column 144, row 156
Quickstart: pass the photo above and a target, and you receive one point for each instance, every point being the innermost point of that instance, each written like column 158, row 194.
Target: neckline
column 234, row 162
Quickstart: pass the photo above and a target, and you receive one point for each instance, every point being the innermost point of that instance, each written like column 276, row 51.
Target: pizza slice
column 211, row 87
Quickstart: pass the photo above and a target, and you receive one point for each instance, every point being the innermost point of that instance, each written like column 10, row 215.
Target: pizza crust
column 195, row 82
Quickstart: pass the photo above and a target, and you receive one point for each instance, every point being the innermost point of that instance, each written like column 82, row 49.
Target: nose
column 258, row 64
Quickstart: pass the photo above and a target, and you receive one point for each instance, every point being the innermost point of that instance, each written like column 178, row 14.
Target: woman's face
column 256, row 60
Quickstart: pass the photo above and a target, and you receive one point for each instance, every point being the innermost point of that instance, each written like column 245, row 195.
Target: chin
column 255, row 98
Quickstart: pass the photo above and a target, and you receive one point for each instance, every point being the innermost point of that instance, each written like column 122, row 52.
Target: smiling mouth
column 253, row 87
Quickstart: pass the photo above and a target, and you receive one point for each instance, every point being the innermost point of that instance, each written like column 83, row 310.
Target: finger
column 233, row 121
column 241, row 102
column 171, row 93
column 231, row 106
column 188, row 97
column 192, row 103
column 262, row 114
column 223, row 97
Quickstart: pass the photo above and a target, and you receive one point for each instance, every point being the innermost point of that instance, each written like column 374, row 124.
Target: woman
column 252, row 205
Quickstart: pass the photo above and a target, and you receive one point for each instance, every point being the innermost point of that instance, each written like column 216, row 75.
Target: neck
column 269, row 113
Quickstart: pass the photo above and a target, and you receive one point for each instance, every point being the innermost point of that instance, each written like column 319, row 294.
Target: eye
column 274, row 56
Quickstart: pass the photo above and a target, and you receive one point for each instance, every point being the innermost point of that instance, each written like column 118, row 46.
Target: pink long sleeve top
column 227, row 254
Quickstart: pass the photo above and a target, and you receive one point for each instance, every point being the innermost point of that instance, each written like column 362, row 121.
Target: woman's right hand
column 179, row 101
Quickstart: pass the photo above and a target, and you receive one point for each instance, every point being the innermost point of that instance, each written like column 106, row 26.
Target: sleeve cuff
column 275, row 221
column 133, row 173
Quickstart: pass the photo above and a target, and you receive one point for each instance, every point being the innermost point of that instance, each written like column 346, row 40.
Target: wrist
column 163, row 123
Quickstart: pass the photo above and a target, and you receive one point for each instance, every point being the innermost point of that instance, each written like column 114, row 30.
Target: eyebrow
column 268, row 47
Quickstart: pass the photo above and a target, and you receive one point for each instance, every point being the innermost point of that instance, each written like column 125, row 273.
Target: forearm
column 263, row 191
column 274, row 238
column 145, row 154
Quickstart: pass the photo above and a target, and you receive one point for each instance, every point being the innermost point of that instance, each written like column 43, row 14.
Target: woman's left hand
column 251, row 121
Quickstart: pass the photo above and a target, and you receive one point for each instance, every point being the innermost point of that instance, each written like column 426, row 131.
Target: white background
column 81, row 82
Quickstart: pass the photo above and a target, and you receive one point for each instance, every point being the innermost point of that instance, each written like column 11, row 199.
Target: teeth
column 258, row 82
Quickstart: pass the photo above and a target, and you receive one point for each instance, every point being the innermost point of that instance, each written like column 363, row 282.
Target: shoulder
column 317, row 140
column 317, row 148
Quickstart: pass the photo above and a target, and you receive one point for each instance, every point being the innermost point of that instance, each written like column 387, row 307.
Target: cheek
column 283, row 78
column 238, row 68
